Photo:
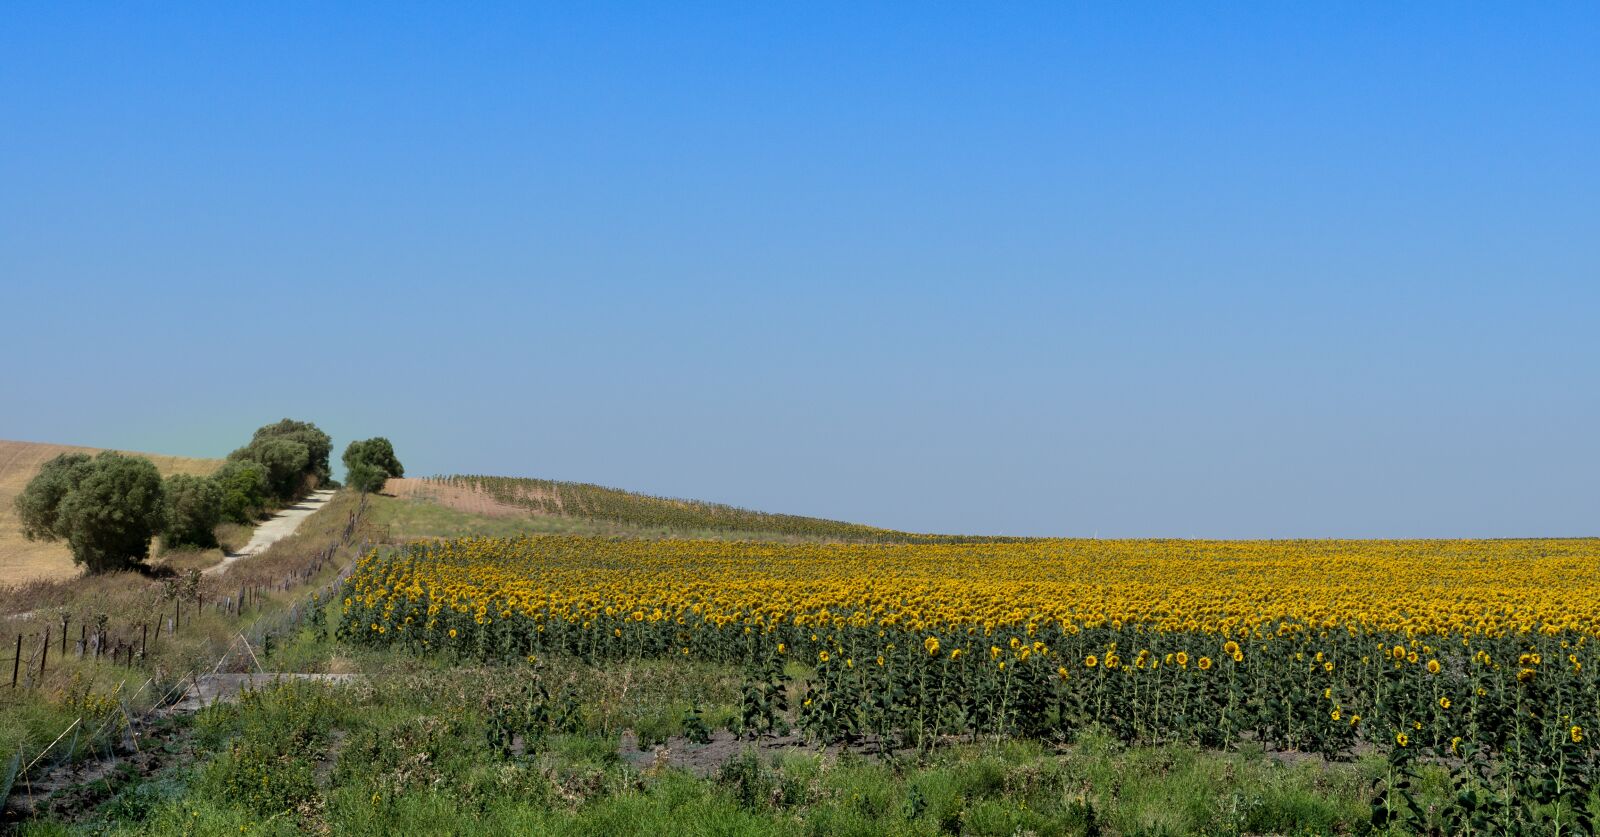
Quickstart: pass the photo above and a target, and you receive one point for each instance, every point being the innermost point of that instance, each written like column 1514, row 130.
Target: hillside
column 581, row 508
column 21, row 560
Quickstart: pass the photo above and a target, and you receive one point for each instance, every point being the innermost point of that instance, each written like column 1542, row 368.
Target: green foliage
column 106, row 508
column 371, row 462
column 366, row 477
column 194, row 508
column 39, row 504
column 262, row 777
column 694, row 726
column 294, row 454
column 244, row 489
column 269, row 765
column 287, row 462
column 525, row 712
column 764, row 704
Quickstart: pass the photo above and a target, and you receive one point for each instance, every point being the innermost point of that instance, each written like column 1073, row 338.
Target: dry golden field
column 21, row 560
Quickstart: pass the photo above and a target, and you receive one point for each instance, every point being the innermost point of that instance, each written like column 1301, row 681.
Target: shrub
column 243, row 483
column 371, row 462
column 264, row 778
column 194, row 508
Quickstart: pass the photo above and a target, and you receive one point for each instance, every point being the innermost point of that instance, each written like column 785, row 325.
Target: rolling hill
column 582, row 508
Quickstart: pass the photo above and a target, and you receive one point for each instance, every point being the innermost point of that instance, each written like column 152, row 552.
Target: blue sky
column 1233, row 270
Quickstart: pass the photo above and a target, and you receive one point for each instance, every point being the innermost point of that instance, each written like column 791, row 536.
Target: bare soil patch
column 706, row 759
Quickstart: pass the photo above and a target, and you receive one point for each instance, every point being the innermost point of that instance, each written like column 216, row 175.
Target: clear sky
column 1239, row 270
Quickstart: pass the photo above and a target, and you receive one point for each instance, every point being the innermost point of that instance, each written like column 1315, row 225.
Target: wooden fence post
column 44, row 654
column 16, row 664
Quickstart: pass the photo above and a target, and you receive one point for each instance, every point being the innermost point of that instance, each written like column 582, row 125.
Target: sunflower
column 1204, row 663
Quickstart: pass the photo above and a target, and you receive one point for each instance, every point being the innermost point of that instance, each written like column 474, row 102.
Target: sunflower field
column 1475, row 656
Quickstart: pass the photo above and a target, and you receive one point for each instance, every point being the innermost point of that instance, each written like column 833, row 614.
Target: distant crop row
column 573, row 499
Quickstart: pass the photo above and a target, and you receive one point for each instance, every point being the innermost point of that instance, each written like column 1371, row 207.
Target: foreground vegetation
column 122, row 611
column 422, row 749
column 1434, row 657
column 602, row 682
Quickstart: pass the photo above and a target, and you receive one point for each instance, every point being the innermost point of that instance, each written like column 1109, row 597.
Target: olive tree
column 107, row 508
column 371, row 462
column 194, row 508
column 243, row 483
column 294, row 454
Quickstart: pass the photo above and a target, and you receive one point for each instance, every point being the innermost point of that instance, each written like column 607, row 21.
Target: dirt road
column 279, row 526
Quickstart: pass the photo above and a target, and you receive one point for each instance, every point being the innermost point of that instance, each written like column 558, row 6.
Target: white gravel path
column 279, row 526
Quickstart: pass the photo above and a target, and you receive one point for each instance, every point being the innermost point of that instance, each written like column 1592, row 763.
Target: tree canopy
column 371, row 462
column 244, row 490
column 107, row 508
column 194, row 508
column 293, row 454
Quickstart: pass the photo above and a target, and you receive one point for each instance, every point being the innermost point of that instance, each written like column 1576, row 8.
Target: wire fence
column 34, row 653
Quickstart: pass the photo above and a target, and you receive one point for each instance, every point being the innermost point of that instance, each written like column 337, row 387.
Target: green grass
column 406, row 752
